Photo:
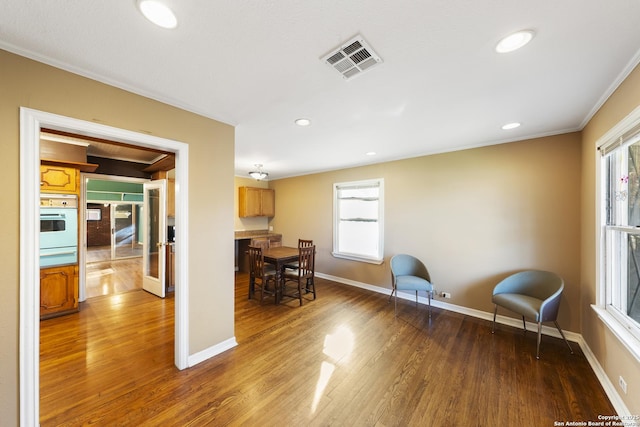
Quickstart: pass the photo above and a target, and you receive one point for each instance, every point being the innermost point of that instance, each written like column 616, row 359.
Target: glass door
column 154, row 237
column 125, row 222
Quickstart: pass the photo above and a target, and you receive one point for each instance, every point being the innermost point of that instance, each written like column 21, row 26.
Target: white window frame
column 622, row 326
column 379, row 257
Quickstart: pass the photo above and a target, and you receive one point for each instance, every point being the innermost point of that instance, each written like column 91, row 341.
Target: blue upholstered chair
column 533, row 294
column 408, row 273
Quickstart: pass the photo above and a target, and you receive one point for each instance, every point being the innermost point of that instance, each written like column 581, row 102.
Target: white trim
column 607, row 385
column 618, row 329
column 365, row 183
column 357, row 258
column 210, row 352
column 617, row 326
column 609, row 388
column 622, row 127
column 631, row 65
column 29, row 275
column 29, row 359
column 505, row 320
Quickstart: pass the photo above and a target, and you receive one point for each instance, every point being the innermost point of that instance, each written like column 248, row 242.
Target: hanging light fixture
column 258, row 174
column 158, row 13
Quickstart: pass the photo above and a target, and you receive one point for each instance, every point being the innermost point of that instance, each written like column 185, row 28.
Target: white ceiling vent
column 352, row 58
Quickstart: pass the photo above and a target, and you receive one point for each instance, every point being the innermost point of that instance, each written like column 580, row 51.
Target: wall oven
column 58, row 229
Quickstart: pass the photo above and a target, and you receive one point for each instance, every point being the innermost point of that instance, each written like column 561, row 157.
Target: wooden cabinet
column 59, row 179
column 58, row 291
column 254, row 201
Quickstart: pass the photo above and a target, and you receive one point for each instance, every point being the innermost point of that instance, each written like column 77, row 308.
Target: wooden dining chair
column 301, row 244
column 303, row 276
column 260, row 242
column 261, row 274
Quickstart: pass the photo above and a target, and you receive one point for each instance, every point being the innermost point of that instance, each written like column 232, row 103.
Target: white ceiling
column 256, row 65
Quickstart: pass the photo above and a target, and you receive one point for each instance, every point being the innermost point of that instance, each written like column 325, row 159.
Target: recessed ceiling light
column 371, row 153
column 511, row 126
column 303, row 122
column 514, row 41
column 158, row 13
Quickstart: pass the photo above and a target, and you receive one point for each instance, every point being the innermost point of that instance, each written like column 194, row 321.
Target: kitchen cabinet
column 253, row 201
column 59, row 179
column 58, row 291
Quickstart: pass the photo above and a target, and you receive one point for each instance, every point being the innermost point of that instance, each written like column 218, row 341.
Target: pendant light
column 258, row 174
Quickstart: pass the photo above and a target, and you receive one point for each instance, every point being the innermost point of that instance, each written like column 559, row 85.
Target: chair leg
column 539, row 336
column 265, row 286
column 429, row 298
column 311, row 282
column 562, row 334
column 391, row 296
column 495, row 311
column 524, row 324
column 395, row 305
column 300, row 290
column 416, row 299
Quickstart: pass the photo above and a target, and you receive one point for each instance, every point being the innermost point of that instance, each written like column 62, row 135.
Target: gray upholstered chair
column 408, row 273
column 533, row 294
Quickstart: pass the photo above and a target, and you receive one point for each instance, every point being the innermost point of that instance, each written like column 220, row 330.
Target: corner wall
column 473, row 216
column 27, row 83
column 614, row 358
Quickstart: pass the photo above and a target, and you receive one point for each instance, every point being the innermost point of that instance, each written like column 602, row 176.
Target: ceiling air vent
column 352, row 58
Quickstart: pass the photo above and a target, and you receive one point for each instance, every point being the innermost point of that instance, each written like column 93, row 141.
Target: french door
column 154, row 238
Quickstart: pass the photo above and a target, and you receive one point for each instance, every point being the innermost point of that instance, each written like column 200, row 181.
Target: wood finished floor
column 108, row 277
column 341, row 360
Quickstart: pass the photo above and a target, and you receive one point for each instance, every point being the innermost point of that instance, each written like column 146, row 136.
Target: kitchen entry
column 113, row 231
column 114, row 247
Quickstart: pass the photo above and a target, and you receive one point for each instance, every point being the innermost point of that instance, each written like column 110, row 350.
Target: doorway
column 112, row 230
column 31, row 123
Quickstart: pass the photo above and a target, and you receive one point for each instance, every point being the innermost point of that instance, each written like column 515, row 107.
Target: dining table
column 279, row 256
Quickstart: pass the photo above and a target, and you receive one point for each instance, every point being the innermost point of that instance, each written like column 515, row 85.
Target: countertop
column 250, row 234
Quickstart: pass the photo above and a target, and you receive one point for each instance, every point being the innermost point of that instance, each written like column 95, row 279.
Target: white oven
column 58, row 229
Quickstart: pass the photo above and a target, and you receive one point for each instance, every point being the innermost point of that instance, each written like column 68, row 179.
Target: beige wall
column 612, row 356
column 25, row 83
column 472, row 216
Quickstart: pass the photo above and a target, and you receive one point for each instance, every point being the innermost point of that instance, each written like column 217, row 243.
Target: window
column 358, row 221
column 620, row 219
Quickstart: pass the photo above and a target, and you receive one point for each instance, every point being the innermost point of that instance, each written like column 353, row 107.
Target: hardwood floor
column 343, row 359
column 113, row 277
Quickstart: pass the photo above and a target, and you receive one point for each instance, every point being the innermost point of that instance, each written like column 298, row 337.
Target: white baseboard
column 210, row 352
column 610, row 390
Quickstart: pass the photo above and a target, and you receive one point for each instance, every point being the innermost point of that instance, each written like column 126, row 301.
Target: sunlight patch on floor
column 337, row 346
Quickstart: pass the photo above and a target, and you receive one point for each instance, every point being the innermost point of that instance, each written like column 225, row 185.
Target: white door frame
column 31, row 121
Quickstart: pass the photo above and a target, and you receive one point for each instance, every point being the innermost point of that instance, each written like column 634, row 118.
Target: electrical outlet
column 623, row 384
column 446, row 295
